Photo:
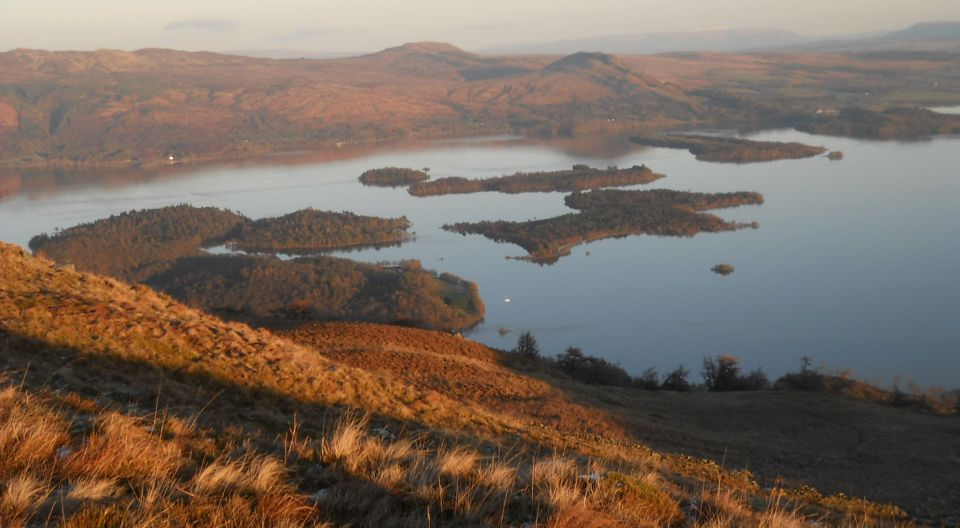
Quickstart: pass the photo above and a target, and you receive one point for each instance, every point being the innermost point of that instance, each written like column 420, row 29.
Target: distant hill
column 291, row 54
column 648, row 43
column 109, row 107
column 924, row 37
column 928, row 36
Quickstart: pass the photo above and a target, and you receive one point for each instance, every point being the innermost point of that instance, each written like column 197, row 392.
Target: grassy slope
column 109, row 348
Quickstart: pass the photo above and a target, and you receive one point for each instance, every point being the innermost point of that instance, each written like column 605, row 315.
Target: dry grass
column 118, row 472
column 21, row 494
column 121, row 447
column 363, row 480
column 93, row 489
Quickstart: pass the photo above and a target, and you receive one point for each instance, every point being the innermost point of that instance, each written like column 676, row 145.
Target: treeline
column 580, row 177
column 138, row 244
column 729, row 149
column 393, row 177
column 894, row 123
column 723, row 373
column 312, row 230
column 163, row 248
column 613, row 213
column 270, row 291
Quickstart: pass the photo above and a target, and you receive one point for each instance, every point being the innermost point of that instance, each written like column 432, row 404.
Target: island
column 613, row 213
column 892, row 123
column 164, row 248
column 268, row 291
column 836, row 155
column 393, row 177
column 136, row 244
column 723, row 269
column 577, row 178
column 730, row 149
column 310, row 231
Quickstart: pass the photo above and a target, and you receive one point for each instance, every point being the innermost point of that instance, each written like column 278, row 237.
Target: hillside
column 114, row 389
column 154, row 106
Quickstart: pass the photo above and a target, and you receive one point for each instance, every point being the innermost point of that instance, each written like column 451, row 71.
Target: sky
column 369, row 25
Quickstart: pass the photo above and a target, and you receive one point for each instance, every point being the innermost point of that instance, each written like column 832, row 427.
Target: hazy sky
column 367, row 25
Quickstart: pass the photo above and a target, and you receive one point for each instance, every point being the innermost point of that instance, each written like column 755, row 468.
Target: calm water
column 856, row 263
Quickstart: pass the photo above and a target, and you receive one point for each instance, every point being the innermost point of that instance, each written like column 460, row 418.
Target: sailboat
column 506, row 298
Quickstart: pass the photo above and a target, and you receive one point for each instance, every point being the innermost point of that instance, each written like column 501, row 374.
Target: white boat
column 506, row 298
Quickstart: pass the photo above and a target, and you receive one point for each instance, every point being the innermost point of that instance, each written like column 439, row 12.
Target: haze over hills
column 926, row 36
column 725, row 40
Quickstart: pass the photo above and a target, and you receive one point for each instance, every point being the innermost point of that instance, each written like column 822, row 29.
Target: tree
column 649, row 379
column 721, row 373
column 571, row 360
column 676, row 380
column 527, row 346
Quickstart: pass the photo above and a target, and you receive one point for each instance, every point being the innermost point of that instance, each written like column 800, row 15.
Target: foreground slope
column 244, row 420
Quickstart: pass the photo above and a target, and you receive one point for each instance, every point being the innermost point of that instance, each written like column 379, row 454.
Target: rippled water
column 856, row 262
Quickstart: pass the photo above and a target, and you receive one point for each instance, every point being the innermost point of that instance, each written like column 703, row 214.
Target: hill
column 927, row 37
column 153, row 106
column 114, row 388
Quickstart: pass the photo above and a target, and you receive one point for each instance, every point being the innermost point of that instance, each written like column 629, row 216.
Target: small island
column 614, row 213
column 578, row 178
column 723, row 269
column 393, row 177
column 309, row 231
column 730, row 149
column 835, row 155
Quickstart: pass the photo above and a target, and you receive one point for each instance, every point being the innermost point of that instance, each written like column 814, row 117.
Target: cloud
column 305, row 33
column 202, row 24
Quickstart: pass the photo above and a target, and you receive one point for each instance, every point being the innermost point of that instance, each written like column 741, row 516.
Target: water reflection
column 44, row 182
